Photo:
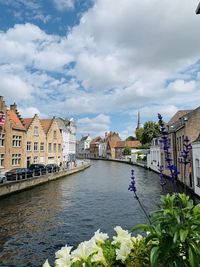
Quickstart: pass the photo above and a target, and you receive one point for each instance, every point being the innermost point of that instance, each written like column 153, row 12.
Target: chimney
column 13, row 107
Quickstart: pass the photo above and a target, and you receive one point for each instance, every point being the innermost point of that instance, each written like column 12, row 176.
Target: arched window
column 197, row 164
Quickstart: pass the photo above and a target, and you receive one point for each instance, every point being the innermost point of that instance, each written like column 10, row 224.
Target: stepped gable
column 112, row 139
column 46, row 124
column 177, row 116
column 15, row 120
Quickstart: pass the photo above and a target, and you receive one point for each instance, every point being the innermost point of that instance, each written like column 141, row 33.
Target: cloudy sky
column 100, row 61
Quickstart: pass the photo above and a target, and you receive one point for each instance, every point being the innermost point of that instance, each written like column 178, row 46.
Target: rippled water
column 36, row 223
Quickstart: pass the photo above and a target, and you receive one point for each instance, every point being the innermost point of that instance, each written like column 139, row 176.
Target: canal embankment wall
column 143, row 165
column 17, row 186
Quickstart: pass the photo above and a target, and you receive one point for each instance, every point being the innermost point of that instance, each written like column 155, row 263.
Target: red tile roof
column 46, row 124
column 131, row 144
column 27, row 122
column 14, row 119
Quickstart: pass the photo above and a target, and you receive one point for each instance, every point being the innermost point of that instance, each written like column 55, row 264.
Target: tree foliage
column 131, row 138
column 139, row 133
column 127, row 150
column 150, row 130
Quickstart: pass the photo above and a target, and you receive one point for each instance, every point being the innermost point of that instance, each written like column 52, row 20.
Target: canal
column 34, row 224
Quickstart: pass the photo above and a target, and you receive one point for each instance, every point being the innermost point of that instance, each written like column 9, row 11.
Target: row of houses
column 110, row 147
column 24, row 141
column 185, row 123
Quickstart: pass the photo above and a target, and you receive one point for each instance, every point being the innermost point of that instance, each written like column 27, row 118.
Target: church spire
column 138, row 123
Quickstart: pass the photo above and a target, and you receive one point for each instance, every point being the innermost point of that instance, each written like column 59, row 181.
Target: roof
column 131, row 144
column 84, row 138
column 14, row 119
column 27, row 122
column 95, row 140
column 178, row 115
column 197, row 140
column 46, row 124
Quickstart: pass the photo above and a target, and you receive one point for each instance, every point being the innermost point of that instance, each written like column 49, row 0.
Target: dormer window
column 36, row 131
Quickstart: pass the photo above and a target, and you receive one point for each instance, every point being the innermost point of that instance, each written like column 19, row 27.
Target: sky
column 100, row 61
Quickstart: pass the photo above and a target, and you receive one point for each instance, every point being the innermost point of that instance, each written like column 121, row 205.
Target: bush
column 171, row 240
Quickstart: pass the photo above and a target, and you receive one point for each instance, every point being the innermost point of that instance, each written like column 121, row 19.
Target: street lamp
column 198, row 9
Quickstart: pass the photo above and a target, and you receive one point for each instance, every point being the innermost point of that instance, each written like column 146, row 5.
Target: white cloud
column 95, row 126
column 29, row 112
column 62, row 5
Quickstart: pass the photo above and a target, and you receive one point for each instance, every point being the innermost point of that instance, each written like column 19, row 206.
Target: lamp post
column 198, row 9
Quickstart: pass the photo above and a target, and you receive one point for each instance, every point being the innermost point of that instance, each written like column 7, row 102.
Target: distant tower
column 138, row 123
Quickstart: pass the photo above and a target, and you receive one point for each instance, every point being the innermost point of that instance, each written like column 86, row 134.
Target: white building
column 68, row 130
column 196, row 165
column 154, row 157
column 84, row 147
column 102, row 149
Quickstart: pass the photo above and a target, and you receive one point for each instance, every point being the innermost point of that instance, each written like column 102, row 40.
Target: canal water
column 34, row 224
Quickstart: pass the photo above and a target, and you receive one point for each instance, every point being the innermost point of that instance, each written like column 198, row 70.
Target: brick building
column 35, row 141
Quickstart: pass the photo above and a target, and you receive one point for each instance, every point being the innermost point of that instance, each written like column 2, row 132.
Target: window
column 2, row 139
column 35, row 160
column 35, row 146
column 16, row 142
column 36, row 130
column 54, row 147
column 16, row 159
column 197, row 163
column 59, row 147
column 49, row 147
column 41, row 146
column 28, row 146
column 1, row 160
column 54, row 134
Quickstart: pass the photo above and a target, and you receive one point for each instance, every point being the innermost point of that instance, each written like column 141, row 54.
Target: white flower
column 123, row 252
column 46, row 264
column 100, row 237
column 64, row 252
column 99, row 257
column 122, row 236
column 62, row 263
column 84, row 250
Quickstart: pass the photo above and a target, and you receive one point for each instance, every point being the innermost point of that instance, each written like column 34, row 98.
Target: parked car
column 2, row 178
column 18, row 174
column 38, row 169
column 52, row 168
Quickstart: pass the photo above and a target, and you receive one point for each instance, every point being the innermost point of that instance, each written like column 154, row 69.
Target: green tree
column 131, row 138
column 127, row 150
column 139, row 133
column 151, row 130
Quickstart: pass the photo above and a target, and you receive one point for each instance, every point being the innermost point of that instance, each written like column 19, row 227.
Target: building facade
column 12, row 138
column 68, row 131
column 54, row 141
column 35, row 141
column 83, row 150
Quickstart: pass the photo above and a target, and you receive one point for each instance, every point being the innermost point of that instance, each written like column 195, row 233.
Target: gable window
column 59, row 147
column 16, row 142
column 2, row 139
column 28, row 146
column 54, row 134
column 35, row 146
column 41, row 146
column 54, row 147
column 36, row 130
column 49, row 147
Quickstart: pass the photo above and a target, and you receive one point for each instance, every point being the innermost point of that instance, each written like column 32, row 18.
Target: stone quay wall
column 16, row 186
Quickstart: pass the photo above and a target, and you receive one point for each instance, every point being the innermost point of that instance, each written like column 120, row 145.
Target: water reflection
column 36, row 223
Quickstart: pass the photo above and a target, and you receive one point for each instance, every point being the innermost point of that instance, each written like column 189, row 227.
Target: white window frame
column 28, row 146
column 2, row 139
column 36, row 130
column 1, row 160
column 16, row 141
column 35, row 146
column 16, row 159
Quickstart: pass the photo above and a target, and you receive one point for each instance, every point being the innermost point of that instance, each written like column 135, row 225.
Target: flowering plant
column 122, row 250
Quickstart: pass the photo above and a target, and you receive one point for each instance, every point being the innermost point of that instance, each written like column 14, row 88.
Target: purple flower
column 132, row 186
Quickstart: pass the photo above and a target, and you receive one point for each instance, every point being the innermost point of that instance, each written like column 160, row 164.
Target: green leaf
column 193, row 258
column 154, row 256
column 141, row 227
column 176, row 235
column 183, row 234
column 196, row 209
